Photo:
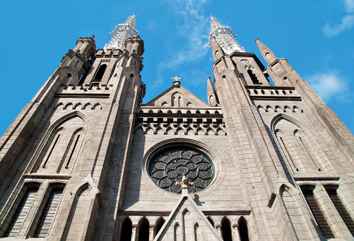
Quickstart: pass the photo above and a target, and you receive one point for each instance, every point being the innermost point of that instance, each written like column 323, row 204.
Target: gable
column 176, row 97
column 188, row 221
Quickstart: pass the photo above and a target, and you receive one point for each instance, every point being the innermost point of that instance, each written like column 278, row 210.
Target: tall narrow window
column 332, row 193
column 126, row 230
column 100, row 73
column 143, row 229
column 49, row 211
column 226, row 233
column 243, row 229
column 253, row 77
column 22, row 210
column 317, row 212
column 71, row 152
column 158, row 226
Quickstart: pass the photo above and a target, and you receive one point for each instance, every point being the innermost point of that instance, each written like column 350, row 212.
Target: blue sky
column 315, row 36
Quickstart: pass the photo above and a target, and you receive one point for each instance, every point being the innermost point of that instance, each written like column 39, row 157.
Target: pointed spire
column 224, row 37
column 214, row 24
column 122, row 32
column 266, row 52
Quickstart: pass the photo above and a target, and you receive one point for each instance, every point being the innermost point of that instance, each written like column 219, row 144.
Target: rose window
column 168, row 166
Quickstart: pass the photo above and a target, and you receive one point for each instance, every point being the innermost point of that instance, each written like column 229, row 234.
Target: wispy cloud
column 330, row 85
column 346, row 23
column 194, row 29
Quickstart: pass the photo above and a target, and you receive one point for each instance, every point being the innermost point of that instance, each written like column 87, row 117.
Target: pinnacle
column 214, row 23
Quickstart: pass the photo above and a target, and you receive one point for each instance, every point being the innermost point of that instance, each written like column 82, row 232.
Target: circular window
column 167, row 167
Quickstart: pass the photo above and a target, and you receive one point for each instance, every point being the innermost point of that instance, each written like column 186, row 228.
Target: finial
column 176, row 80
column 185, row 184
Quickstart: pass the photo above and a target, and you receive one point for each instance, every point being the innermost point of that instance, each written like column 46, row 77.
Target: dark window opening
column 332, row 193
column 143, row 228
column 100, row 73
column 317, row 212
column 22, row 211
column 49, row 212
column 243, row 229
column 158, row 226
column 226, row 232
column 126, row 230
column 253, row 77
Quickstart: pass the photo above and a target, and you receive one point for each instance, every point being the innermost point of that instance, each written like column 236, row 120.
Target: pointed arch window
column 226, row 232
column 158, row 225
column 126, row 230
column 143, row 230
column 253, row 77
column 49, row 211
column 317, row 212
column 22, row 210
column 243, row 229
column 100, row 73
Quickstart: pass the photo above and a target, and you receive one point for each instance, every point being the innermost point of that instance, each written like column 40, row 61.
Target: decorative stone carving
column 167, row 167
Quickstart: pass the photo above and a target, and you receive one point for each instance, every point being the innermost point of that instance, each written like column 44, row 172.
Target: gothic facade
column 264, row 159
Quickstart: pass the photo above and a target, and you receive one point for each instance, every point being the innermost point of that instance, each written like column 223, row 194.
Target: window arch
column 61, row 149
column 158, row 225
column 226, row 232
column 126, row 230
column 99, row 74
column 243, row 229
column 143, row 230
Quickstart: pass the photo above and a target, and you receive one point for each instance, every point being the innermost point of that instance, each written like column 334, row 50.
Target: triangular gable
column 188, row 221
column 176, row 96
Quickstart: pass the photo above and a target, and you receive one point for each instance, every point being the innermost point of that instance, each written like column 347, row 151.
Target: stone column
column 134, row 233
column 151, row 232
column 235, row 233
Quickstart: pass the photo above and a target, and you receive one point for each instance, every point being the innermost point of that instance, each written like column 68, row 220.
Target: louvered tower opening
column 49, row 212
column 317, row 213
column 22, row 211
column 332, row 193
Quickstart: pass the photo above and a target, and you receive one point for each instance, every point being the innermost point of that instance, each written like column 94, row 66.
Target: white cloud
column 346, row 23
column 329, row 85
column 194, row 30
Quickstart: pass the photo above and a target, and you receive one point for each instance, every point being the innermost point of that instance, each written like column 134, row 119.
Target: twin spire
column 222, row 35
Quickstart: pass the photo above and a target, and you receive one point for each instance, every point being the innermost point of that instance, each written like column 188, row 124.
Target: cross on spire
column 176, row 80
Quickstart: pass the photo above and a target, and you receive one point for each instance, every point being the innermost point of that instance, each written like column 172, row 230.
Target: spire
column 214, row 24
column 266, row 52
column 122, row 32
column 224, row 37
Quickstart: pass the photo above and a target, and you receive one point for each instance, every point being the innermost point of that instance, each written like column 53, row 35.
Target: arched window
column 27, row 199
column 100, row 72
column 243, row 229
column 226, row 232
column 158, row 225
column 126, row 230
column 317, row 212
column 342, row 210
column 143, row 230
column 253, row 77
column 49, row 211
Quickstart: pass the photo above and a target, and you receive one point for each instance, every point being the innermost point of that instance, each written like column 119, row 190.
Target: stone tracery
column 167, row 167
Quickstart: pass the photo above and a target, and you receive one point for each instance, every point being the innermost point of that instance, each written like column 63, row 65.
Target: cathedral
column 263, row 160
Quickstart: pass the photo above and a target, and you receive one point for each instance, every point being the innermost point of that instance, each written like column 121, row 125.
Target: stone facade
column 264, row 159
